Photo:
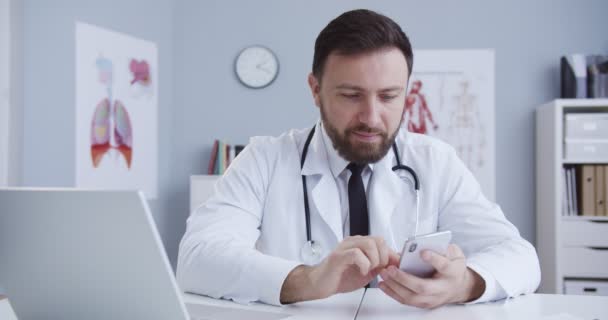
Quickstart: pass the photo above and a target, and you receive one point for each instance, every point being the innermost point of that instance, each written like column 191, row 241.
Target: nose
column 369, row 112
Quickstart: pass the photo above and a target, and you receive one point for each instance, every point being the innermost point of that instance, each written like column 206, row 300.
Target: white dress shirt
column 341, row 174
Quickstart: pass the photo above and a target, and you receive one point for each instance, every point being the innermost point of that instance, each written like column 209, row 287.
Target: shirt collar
column 337, row 164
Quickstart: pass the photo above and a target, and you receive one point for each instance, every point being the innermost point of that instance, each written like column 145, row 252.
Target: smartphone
column 411, row 259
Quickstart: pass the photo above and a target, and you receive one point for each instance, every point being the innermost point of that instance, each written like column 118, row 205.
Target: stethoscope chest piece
column 311, row 253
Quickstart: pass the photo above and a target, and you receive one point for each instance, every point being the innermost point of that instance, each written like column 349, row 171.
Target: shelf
column 575, row 103
column 585, row 218
column 585, row 161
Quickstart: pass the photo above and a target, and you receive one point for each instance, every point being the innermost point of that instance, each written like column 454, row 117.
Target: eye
column 388, row 97
column 351, row 95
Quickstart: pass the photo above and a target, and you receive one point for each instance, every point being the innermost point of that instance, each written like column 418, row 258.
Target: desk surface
column 376, row 305
column 341, row 306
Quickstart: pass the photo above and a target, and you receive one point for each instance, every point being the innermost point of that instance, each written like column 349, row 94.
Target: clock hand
column 265, row 70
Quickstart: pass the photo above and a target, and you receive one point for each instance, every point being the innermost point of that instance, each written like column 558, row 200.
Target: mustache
column 364, row 128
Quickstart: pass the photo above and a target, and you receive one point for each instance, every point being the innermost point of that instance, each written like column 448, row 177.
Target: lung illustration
column 111, row 130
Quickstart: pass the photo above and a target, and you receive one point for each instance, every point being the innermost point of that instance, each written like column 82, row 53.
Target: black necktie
column 357, row 202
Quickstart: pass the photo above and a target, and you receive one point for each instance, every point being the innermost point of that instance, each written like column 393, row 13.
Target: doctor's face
column 362, row 98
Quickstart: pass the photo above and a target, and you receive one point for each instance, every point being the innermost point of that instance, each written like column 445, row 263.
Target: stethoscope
column 312, row 251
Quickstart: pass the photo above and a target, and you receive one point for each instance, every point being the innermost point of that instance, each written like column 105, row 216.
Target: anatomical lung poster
column 116, row 111
column 451, row 96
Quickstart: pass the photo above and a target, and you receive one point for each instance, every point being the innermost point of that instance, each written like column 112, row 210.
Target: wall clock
column 256, row 67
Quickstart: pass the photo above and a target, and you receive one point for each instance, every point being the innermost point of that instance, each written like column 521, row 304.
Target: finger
column 412, row 299
column 369, row 247
column 390, row 292
column 405, row 295
column 418, row 285
column 383, row 251
column 356, row 257
column 439, row 262
column 454, row 252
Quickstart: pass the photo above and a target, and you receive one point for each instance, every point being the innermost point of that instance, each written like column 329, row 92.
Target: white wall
column 16, row 95
column 4, row 88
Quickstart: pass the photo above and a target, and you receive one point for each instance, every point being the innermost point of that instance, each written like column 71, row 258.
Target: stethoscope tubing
column 399, row 166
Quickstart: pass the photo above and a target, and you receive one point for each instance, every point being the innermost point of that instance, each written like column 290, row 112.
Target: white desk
column 376, row 305
column 338, row 307
column 342, row 306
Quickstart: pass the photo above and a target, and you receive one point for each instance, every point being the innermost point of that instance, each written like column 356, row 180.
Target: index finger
column 383, row 250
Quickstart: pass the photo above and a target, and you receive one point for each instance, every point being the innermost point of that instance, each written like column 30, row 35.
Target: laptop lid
column 82, row 254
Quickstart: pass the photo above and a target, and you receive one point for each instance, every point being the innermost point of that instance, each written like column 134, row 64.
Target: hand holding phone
column 411, row 259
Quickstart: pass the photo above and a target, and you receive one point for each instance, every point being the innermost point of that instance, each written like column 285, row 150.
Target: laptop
column 84, row 254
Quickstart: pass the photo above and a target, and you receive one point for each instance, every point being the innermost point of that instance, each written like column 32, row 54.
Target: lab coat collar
column 385, row 190
column 324, row 194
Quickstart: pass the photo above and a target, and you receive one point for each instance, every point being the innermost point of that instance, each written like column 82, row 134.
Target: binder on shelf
column 605, row 190
column 565, row 211
column 575, row 211
column 568, row 191
column 574, row 76
column 587, row 190
column 600, row 201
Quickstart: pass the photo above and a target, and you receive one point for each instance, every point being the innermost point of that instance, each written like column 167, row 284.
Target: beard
column 359, row 152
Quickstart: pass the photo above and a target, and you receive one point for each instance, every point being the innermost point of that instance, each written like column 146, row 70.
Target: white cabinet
column 573, row 250
column 587, row 288
column 201, row 188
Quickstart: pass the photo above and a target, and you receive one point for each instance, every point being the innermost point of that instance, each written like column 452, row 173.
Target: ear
column 315, row 89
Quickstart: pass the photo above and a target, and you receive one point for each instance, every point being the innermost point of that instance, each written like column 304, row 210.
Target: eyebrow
column 357, row 88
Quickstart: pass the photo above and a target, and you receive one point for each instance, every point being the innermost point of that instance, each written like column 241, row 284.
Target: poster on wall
column 451, row 97
column 116, row 111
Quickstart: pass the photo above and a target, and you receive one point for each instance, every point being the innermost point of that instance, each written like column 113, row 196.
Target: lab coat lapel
column 385, row 191
column 323, row 191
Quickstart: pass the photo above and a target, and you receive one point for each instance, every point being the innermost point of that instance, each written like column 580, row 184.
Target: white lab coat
column 243, row 242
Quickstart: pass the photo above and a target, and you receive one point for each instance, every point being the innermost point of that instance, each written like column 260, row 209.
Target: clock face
column 256, row 67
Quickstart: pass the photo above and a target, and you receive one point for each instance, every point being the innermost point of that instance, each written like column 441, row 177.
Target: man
column 250, row 240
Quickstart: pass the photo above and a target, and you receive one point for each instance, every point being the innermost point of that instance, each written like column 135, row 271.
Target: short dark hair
column 359, row 31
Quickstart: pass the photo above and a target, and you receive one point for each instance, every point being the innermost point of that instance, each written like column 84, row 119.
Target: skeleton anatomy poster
column 116, row 111
column 451, row 96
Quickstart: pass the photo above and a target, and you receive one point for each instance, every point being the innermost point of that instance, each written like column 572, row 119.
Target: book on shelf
column 569, row 192
column 574, row 191
column 211, row 166
column 605, row 190
column 569, row 210
column 587, row 186
column 565, row 188
column 222, row 154
column 585, row 190
column 572, row 207
column 600, row 201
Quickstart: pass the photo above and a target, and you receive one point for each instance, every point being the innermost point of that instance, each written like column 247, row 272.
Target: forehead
column 371, row 70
